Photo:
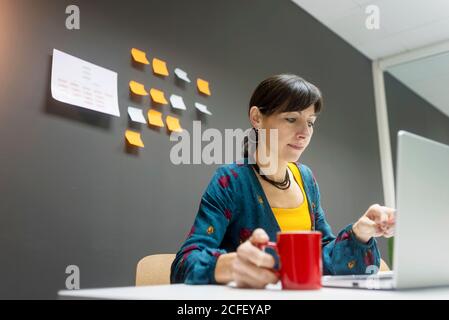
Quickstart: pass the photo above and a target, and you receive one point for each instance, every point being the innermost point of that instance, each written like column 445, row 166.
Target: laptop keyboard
column 379, row 276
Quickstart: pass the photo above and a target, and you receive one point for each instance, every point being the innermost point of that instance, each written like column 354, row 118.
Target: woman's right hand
column 253, row 267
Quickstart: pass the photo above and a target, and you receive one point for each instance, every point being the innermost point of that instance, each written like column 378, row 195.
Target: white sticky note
column 83, row 84
column 181, row 74
column 177, row 102
column 136, row 115
column 202, row 108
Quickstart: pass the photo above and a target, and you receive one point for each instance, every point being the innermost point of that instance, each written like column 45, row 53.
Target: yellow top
column 294, row 219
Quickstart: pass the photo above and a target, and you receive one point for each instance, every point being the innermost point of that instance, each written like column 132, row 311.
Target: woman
column 244, row 206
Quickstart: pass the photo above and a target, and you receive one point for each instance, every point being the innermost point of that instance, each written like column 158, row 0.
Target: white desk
column 221, row 292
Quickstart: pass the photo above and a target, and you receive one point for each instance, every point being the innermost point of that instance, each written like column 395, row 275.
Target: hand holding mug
column 252, row 267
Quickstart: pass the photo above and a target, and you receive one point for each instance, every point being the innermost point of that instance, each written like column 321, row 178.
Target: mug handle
column 270, row 244
column 274, row 246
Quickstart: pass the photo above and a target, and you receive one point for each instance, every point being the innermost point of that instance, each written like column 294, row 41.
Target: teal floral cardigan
column 234, row 204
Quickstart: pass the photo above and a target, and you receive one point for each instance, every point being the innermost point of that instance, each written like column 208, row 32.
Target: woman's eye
column 310, row 124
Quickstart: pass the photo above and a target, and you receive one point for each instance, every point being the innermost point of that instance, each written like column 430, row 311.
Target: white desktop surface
column 228, row 292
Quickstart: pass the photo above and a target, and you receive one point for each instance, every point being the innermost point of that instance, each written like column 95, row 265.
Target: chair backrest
column 154, row 269
column 383, row 266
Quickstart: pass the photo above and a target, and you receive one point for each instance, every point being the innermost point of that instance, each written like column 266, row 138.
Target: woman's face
column 295, row 130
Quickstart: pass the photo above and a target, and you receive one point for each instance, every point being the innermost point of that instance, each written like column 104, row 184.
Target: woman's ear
column 255, row 117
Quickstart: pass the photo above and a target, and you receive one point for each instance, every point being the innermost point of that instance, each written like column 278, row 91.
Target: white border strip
column 415, row 54
column 383, row 129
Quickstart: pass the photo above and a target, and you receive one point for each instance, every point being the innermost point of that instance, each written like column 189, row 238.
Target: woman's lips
column 296, row 146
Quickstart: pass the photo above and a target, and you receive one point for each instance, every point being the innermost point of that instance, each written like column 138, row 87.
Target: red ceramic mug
column 301, row 264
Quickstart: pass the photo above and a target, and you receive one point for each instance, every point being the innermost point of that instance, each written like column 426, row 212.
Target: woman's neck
column 275, row 170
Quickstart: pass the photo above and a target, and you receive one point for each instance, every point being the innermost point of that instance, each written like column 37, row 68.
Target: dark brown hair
column 284, row 93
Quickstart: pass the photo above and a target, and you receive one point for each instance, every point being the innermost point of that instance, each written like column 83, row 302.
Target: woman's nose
column 301, row 136
column 303, row 132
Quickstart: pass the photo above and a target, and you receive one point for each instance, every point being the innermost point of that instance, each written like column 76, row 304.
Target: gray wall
column 408, row 111
column 71, row 191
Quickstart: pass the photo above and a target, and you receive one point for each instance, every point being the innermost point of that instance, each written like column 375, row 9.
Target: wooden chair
column 383, row 266
column 154, row 269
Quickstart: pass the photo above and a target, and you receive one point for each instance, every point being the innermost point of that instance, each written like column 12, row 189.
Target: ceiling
column 404, row 26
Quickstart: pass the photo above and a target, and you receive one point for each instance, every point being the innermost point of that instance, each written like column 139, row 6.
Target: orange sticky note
column 139, row 56
column 173, row 124
column 158, row 96
column 203, row 86
column 160, row 67
column 134, row 138
column 137, row 88
column 155, row 118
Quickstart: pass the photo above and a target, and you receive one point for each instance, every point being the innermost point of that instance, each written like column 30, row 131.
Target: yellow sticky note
column 134, row 138
column 139, row 56
column 203, row 86
column 160, row 67
column 173, row 124
column 155, row 118
column 158, row 96
column 137, row 88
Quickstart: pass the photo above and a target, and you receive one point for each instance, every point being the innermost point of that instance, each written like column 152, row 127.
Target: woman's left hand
column 377, row 221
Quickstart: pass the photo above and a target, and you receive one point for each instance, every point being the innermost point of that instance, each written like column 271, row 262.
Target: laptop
column 421, row 241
